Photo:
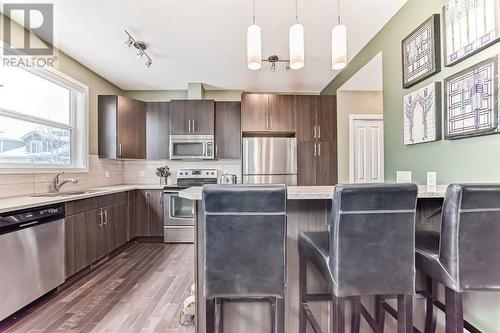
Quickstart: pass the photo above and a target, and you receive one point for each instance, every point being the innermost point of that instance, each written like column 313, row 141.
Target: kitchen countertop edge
column 315, row 192
column 11, row 204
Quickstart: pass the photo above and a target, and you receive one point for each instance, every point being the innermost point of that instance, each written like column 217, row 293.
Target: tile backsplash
column 106, row 172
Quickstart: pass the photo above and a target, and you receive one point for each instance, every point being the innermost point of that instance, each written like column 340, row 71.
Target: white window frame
column 79, row 120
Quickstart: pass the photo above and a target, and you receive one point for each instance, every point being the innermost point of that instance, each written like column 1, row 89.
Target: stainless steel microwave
column 192, row 147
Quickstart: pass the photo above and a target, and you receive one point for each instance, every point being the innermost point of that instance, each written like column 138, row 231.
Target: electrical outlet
column 106, row 174
column 403, row 176
column 431, row 182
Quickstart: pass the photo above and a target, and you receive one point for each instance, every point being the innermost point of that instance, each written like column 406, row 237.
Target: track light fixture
column 141, row 47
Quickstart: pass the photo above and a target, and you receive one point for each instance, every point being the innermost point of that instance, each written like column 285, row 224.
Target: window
column 43, row 121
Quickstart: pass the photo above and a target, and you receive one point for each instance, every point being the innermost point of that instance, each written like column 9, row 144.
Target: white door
column 366, row 148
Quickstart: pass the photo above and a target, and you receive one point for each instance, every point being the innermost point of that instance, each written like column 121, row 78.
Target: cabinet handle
column 319, row 148
column 315, row 149
column 216, row 151
column 105, row 217
column 147, row 198
column 267, row 122
column 194, row 125
column 270, row 122
column 189, row 125
column 319, row 131
column 120, row 150
column 314, row 132
column 100, row 217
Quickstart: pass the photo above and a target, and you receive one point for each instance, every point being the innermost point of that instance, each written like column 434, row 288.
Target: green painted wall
column 465, row 160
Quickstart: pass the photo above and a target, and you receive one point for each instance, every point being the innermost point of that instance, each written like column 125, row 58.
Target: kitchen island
column 308, row 209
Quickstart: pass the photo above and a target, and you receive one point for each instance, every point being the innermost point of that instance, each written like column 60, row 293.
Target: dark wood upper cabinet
column 192, row 117
column 306, row 117
column 180, row 121
column 122, row 127
column 254, row 112
column 228, row 129
column 327, row 118
column 157, row 130
column 282, row 113
column 202, row 114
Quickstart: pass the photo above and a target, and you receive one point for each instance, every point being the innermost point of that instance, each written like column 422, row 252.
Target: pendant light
column 339, row 43
column 254, row 44
column 296, row 41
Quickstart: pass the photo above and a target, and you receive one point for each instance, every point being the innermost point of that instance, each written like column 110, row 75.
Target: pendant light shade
column 339, row 47
column 254, row 45
column 296, row 36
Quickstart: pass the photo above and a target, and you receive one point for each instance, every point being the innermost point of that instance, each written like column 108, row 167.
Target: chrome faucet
column 57, row 184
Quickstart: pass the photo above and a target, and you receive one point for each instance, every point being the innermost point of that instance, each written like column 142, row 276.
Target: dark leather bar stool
column 465, row 255
column 369, row 250
column 245, row 233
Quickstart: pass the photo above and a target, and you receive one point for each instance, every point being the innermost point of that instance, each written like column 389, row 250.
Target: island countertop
column 313, row 192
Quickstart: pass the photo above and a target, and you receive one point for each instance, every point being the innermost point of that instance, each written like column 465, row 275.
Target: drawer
column 85, row 205
column 179, row 234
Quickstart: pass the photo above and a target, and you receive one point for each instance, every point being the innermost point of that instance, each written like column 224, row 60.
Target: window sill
column 10, row 170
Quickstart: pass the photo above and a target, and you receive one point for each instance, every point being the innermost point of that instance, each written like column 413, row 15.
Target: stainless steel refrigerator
column 270, row 160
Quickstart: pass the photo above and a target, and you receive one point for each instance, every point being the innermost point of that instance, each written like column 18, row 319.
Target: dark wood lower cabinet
column 306, row 163
column 146, row 213
column 326, row 163
column 115, row 228
column 317, row 163
column 92, row 234
column 83, row 241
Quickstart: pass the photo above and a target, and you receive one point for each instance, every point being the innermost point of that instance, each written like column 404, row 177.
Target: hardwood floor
column 139, row 290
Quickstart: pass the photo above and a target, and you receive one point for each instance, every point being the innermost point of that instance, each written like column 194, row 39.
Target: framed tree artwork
column 421, row 52
column 422, row 115
column 471, row 101
column 470, row 26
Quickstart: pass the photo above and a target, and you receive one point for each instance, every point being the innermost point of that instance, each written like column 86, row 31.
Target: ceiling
column 205, row 40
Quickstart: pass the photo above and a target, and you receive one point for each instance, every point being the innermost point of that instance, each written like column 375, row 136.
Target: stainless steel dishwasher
column 31, row 256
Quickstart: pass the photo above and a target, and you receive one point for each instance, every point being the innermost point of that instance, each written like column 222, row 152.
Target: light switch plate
column 106, row 174
column 431, row 182
column 142, row 173
column 403, row 176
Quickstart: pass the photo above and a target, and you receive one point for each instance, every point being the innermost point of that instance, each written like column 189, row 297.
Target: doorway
column 366, row 148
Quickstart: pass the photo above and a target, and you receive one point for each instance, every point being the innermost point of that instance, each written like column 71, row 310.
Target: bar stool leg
column 356, row 314
column 405, row 314
column 279, row 316
column 454, row 311
column 430, row 313
column 219, row 326
column 337, row 314
column 210, row 316
column 303, row 292
column 379, row 311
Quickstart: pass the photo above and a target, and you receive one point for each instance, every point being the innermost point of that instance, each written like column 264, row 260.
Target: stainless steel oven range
column 178, row 223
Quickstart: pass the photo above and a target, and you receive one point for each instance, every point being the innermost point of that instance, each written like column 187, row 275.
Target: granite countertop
column 24, row 202
column 313, row 192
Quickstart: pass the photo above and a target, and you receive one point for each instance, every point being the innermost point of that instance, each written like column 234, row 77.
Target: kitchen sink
column 65, row 194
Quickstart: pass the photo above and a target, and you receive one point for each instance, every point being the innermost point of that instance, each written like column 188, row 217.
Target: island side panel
column 244, row 317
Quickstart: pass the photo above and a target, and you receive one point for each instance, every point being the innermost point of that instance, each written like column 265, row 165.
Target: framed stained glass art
column 471, row 101
column 422, row 115
column 470, row 26
column 421, row 52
